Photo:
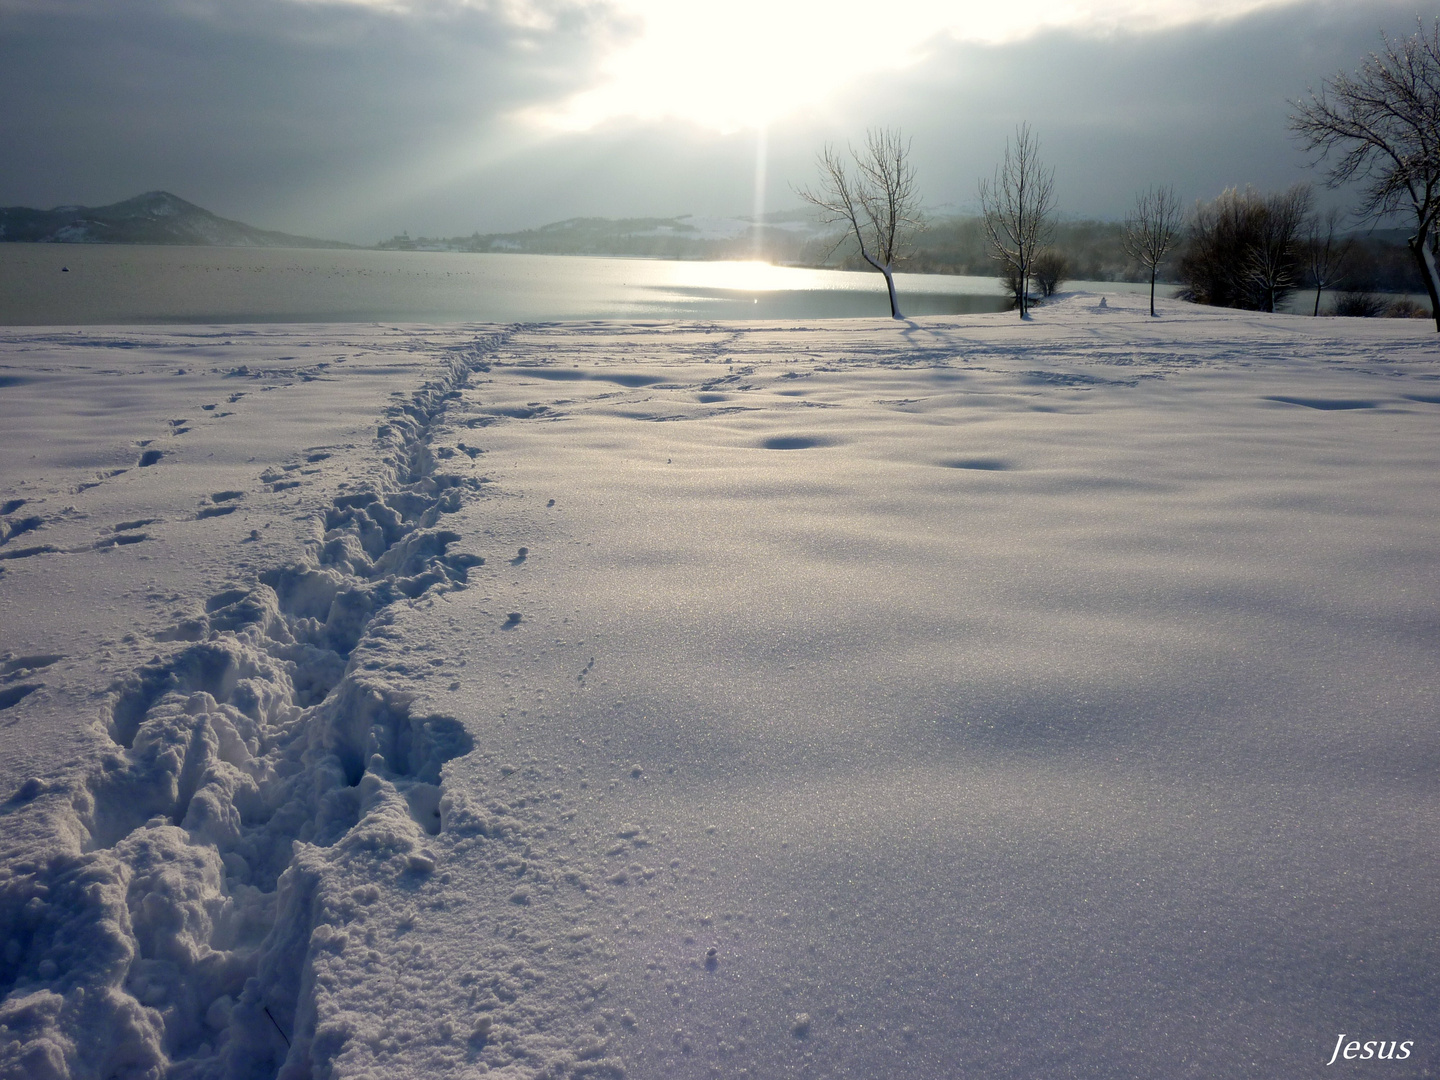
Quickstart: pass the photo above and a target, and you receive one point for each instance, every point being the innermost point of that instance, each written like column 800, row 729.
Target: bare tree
column 1275, row 257
column 1152, row 229
column 1383, row 123
column 878, row 200
column 1326, row 252
column 1015, row 208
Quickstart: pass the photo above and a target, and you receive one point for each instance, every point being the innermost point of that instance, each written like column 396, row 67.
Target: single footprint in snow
column 123, row 540
column 11, row 529
column 17, row 666
column 29, row 552
column 13, row 695
column 521, row 557
column 150, row 457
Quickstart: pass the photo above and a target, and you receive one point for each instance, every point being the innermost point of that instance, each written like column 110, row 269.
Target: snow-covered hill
column 157, row 217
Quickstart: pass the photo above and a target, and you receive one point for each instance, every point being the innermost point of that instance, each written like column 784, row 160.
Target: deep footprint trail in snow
column 162, row 904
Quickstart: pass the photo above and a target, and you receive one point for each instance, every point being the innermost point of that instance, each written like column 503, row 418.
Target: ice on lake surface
column 951, row 697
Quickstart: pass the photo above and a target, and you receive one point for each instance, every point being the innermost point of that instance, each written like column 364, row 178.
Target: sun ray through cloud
column 749, row 62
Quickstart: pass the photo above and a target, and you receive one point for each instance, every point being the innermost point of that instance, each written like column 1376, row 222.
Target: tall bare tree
column 1383, row 123
column 1326, row 252
column 1151, row 230
column 878, row 200
column 1015, row 208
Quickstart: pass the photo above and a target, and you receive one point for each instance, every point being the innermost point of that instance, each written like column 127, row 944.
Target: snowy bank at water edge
column 945, row 697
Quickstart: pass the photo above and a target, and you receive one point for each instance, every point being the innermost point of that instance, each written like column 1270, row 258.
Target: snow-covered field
column 957, row 697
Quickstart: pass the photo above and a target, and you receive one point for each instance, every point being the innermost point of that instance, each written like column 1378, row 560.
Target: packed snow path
column 955, row 697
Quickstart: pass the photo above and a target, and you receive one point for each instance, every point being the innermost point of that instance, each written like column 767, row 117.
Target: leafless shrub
column 1405, row 308
column 1049, row 271
column 1360, row 305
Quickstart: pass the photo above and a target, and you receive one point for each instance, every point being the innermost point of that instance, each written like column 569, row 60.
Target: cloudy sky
column 356, row 119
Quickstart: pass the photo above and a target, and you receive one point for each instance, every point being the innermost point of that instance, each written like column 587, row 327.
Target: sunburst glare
column 747, row 63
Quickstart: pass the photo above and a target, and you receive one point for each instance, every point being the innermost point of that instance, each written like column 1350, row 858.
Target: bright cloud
column 731, row 64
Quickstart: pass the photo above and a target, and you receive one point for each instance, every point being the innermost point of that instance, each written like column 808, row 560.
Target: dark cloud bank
column 356, row 122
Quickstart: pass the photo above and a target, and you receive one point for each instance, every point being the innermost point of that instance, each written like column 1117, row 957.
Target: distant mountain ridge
column 156, row 217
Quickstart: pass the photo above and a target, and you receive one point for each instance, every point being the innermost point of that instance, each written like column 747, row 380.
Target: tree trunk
column 1152, row 292
column 1317, row 300
column 1421, row 250
column 890, row 286
column 889, row 280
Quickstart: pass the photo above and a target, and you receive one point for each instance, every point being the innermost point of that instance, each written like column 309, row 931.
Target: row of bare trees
column 1017, row 207
column 873, row 194
column 1380, row 128
column 1242, row 249
column 1249, row 250
column 1245, row 250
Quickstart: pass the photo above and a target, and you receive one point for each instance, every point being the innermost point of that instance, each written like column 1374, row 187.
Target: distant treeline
column 1092, row 250
column 637, row 238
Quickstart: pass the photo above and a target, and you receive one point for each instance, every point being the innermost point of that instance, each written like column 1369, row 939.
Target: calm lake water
column 106, row 283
